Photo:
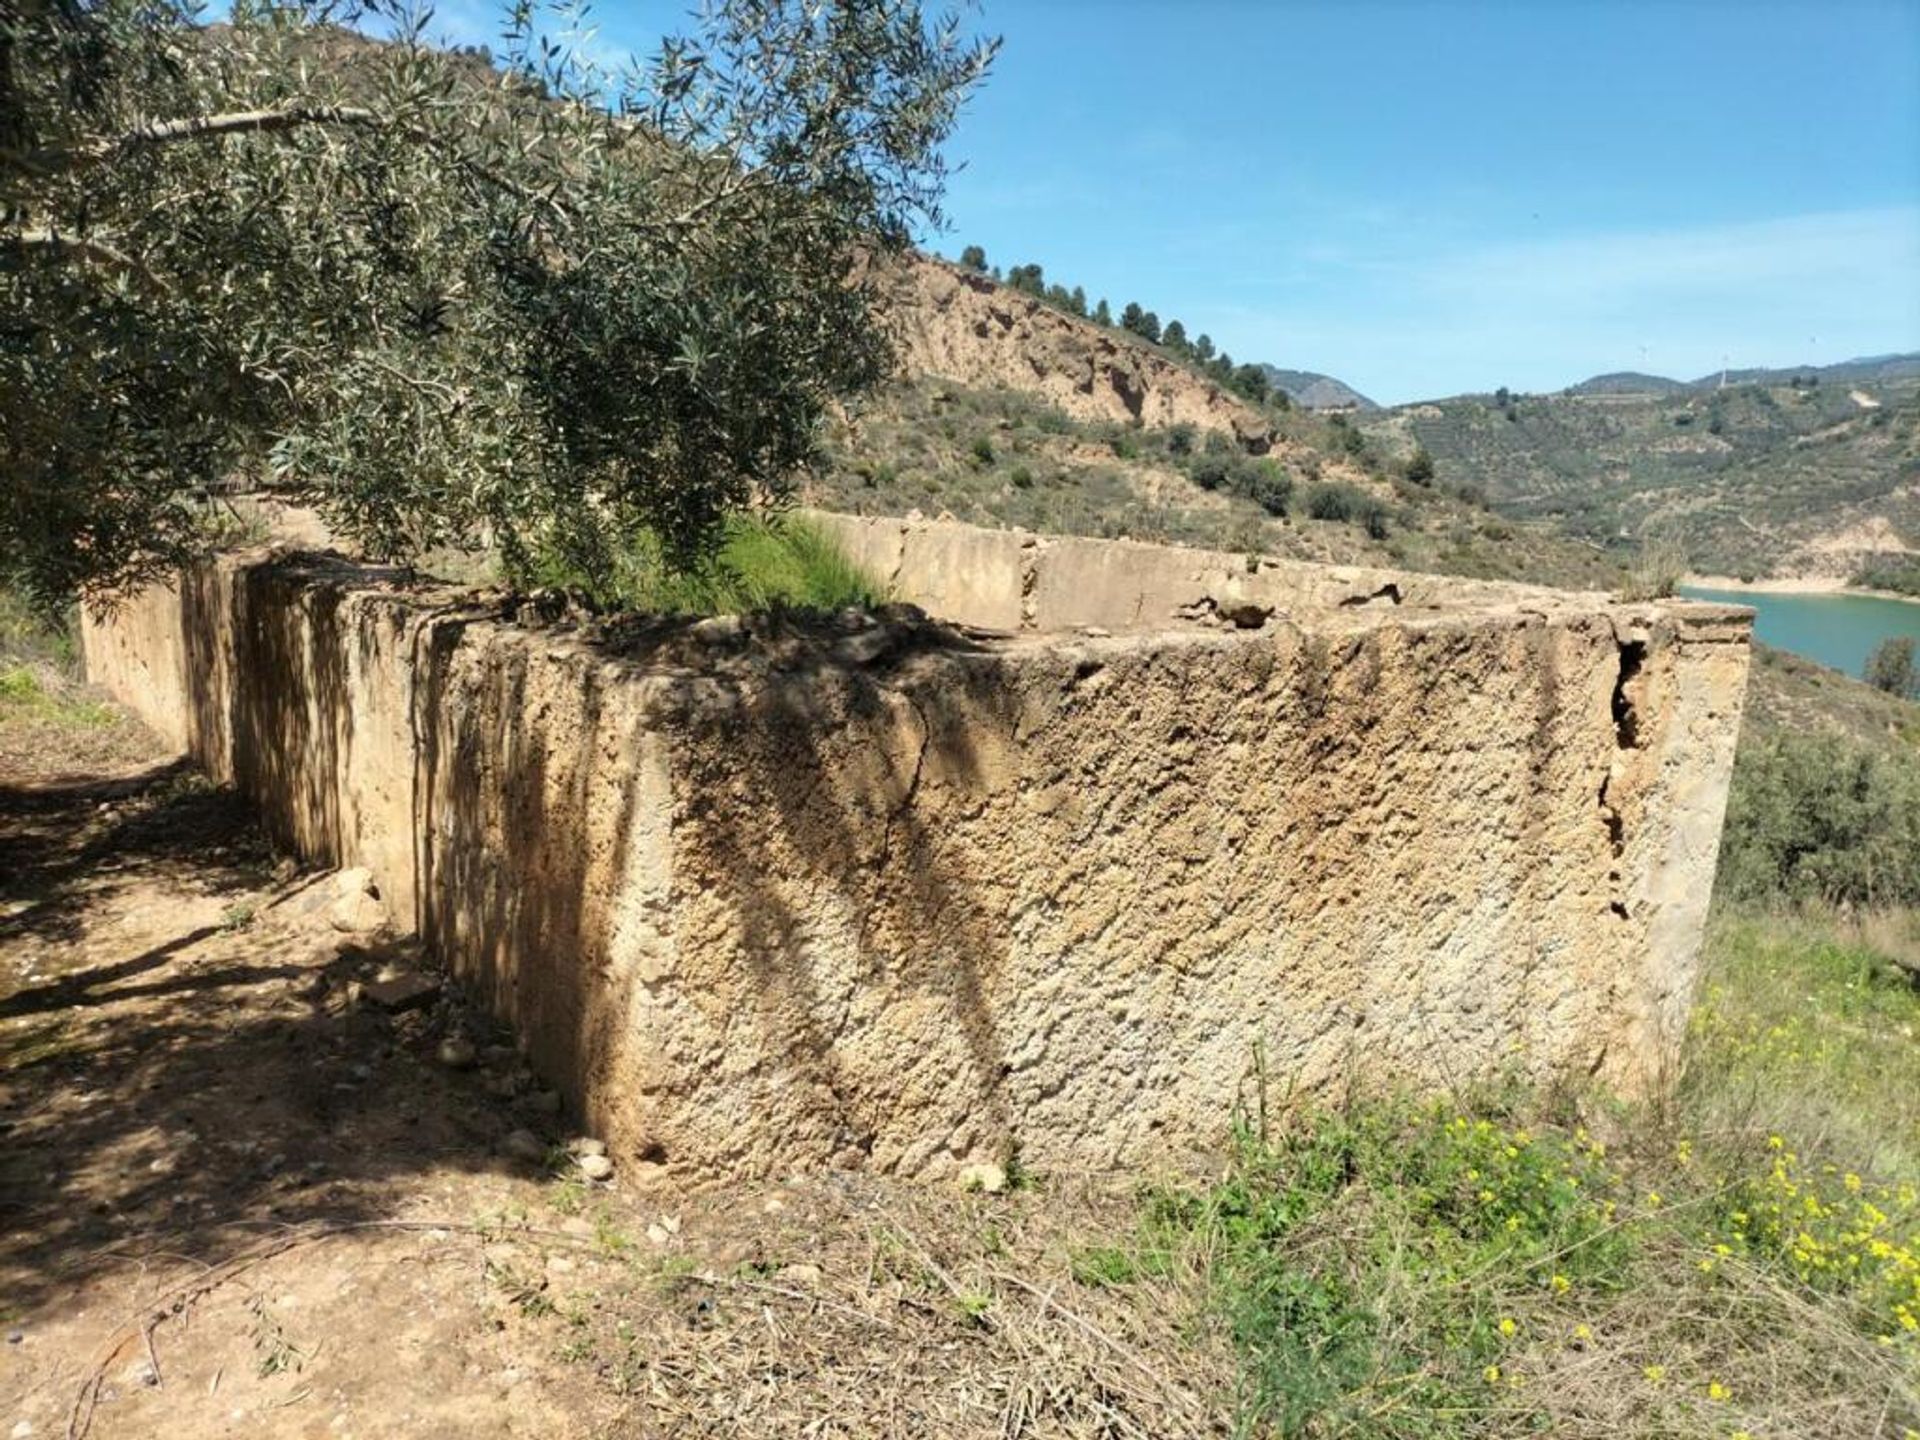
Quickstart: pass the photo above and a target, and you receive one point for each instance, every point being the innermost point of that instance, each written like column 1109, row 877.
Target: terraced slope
column 1753, row 479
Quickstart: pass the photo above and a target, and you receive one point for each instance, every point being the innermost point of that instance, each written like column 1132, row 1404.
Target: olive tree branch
column 82, row 247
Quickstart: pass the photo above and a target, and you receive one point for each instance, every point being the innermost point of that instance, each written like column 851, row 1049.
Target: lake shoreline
column 1795, row 585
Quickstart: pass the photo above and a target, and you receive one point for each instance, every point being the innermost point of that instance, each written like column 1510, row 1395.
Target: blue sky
column 1427, row 198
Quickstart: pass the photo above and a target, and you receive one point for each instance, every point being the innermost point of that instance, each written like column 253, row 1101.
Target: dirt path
column 240, row 1197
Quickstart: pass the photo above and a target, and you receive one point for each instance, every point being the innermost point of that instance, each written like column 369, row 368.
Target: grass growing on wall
column 766, row 562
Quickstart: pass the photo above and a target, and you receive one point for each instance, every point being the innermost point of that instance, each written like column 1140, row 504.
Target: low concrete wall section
column 901, row 894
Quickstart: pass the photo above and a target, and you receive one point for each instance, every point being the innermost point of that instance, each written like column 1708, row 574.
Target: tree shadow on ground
column 197, row 1061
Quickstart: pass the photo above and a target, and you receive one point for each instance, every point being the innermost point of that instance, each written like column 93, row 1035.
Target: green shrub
column 1210, row 471
column 1419, row 467
column 1021, row 477
column 1336, row 500
column 1264, row 483
column 982, row 450
column 1180, row 438
column 1891, row 668
column 1468, row 1221
column 1902, row 576
column 764, row 562
column 1817, row 817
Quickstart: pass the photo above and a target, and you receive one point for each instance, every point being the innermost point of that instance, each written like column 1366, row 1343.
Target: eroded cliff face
column 903, row 894
column 962, row 326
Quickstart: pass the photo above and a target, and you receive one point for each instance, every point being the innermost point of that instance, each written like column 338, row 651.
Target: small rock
column 356, row 881
column 404, row 991
column 162, row 1166
column 659, row 1234
column 456, row 1052
column 16, row 1337
column 22, row 1430
column 773, row 1206
column 865, row 648
column 577, row 1226
column 718, row 630
column 585, row 1146
column 560, row 1265
column 800, row 1274
column 984, row 1176
column 524, row 1145
column 596, row 1167
column 357, row 914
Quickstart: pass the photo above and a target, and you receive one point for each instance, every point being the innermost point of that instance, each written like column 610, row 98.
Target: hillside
column 1006, row 456
column 1797, row 478
column 1011, row 411
column 962, row 326
column 1806, row 472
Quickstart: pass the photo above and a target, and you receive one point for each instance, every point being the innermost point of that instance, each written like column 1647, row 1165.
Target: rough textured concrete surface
column 909, row 895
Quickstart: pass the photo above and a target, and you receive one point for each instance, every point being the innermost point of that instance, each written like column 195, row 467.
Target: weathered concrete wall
column 1019, row 580
column 903, row 896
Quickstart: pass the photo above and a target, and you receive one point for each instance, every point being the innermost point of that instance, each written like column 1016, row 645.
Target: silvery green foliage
column 526, row 299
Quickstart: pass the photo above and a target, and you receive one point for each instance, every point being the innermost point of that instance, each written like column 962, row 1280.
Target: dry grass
column 856, row 1308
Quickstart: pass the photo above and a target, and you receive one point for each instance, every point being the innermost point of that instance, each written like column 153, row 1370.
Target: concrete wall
column 1019, row 580
column 901, row 895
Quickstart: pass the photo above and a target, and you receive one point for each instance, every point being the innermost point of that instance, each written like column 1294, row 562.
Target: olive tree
column 1893, row 667
column 532, row 300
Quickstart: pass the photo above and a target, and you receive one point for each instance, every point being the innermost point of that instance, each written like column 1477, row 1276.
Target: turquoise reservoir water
column 1836, row 630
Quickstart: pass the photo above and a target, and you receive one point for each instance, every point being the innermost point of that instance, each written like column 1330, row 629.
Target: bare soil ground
column 237, row 1198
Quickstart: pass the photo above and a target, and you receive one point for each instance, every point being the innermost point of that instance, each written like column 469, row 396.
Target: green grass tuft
column 764, row 563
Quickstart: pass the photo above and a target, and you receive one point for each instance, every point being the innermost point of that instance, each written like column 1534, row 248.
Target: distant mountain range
column 1313, row 391
column 1870, row 369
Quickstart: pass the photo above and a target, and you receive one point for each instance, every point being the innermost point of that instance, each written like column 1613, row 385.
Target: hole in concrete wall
column 1626, row 719
column 1389, row 592
column 1616, row 827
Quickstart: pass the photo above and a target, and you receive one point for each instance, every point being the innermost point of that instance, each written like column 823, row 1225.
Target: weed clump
column 763, row 562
